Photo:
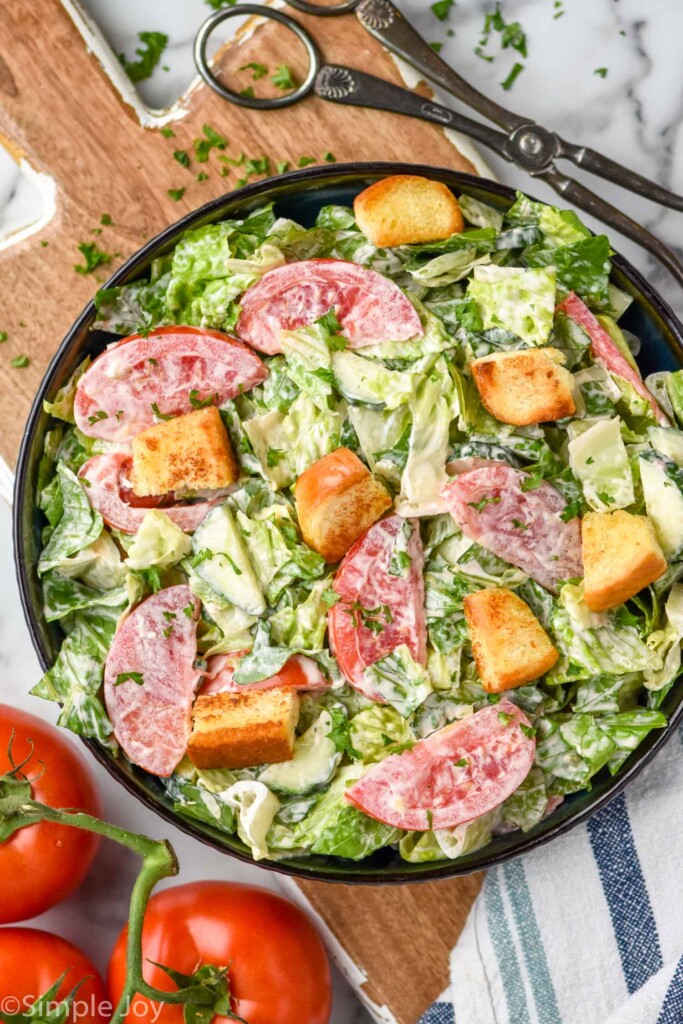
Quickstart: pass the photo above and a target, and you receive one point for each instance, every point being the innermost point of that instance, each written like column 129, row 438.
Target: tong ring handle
column 255, row 102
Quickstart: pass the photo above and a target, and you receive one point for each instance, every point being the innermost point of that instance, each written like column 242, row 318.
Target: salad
column 357, row 545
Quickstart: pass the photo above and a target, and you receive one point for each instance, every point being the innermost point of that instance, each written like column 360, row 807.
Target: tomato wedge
column 452, row 776
column 525, row 528
column 116, row 396
column 299, row 673
column 150, row 679
column 369, row 307
column 107, row 486
column 604, row 348
column 378, row 611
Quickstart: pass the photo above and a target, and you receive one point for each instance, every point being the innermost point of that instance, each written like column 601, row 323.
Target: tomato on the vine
column 279, row 971
column 43, row 863
column 32, row 961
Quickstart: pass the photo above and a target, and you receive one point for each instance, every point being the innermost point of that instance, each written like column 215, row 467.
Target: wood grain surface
column 60, row 112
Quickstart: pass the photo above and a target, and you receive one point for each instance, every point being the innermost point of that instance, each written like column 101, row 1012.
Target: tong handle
column 590, row 160
column 349, row 86
column 386, row 23
column 577, row 194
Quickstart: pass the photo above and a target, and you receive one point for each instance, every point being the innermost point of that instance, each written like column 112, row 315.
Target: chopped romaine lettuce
column 521, row 301
column 599, row 460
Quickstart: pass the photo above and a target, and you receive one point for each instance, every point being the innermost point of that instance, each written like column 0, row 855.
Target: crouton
column 509, row 644
column 525, row 386
column 237, row 730
column 406, row 208
column 621, row 555
column 188, row 453
column 337, row 500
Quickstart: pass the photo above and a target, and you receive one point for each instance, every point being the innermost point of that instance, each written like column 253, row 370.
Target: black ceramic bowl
column 300, row 195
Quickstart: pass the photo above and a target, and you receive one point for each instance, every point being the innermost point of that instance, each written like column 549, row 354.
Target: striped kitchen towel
column 587, row 930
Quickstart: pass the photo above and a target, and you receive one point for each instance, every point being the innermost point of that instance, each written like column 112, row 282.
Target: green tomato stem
column 158, row 861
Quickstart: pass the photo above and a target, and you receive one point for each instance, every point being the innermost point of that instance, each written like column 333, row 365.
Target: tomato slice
column 603, row 347
column 108, row 490
column 369, row 307
column 378, row 611
column 115, row 397
column 452, row 776
column 155, row 649
column 299, row 673
column 525, row 528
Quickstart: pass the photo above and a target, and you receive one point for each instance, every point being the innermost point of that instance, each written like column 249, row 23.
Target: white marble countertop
column 633, row 114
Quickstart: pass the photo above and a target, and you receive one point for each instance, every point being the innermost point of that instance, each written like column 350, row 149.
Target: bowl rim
column 291, row 184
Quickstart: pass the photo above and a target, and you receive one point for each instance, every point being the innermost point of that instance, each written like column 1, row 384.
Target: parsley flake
column 94, row 257
column 283, row 78
column 133, row 677
column 149, row 55
column 20, row 362
column 257, row 70
column 176, row 194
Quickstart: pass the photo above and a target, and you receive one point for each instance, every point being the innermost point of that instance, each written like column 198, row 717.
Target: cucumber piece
column 668, row 441
column 314, row 763
column 662, row 482
column 361, row 380
column 226, row 566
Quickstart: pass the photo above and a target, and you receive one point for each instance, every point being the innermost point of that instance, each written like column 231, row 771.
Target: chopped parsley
column 167, row 631
column 167, row 132
column 169, row 616
column 442, row 9
column 233, row 565
column 248, row 93
column 304, row 161
column 515, row 71
column 589, row 461
column 106, row 219
column 283, row 78
column 188, row 610
column 201, row 403
column 133, row 677
column 371, row 618
column 202, row 176
column 479, row 506
column 527, row 730
column 159, row 414
column 93, row 256
column 274, row 457
column 330, row 597
column 462, row 763
column 212, row 140
column 340, row 734
column 20, row 362
column 3, row 336
column 149, row 55
column 533, row 480
column 329, row 158
column 257, row 70
column 519, row 525
column 571, row 511
column 182, row 157
column 281, row 166
column 97, row 416
column 176, row 194
column 504, row 718
column 601, row 72
column 606, row 498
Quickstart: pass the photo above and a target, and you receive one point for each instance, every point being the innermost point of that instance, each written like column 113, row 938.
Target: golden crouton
column 337, row 500
column 621, row 555
column 188, row 453
column 509, row 644
column 406, row 208
column 237, row 730
column 525, row 386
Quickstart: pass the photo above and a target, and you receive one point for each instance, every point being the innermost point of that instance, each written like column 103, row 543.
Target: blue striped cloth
column 587, row 930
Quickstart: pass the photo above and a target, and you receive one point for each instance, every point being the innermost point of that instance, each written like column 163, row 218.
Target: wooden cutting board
column 61, row 113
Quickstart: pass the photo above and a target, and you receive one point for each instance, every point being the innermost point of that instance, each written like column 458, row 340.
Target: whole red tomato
column 41, row 864
column 279, row 972
column 31, row 961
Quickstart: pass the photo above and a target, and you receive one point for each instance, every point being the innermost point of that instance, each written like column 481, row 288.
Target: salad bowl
column 299, row 196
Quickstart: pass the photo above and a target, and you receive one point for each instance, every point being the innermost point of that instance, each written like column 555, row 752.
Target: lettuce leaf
column 521, row 301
